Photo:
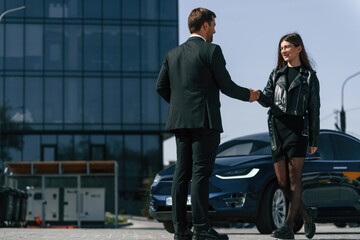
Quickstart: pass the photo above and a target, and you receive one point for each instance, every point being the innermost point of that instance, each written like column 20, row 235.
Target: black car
column 243, row 186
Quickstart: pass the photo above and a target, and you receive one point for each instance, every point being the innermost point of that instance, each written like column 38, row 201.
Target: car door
column 347, row 158
column 321, row 180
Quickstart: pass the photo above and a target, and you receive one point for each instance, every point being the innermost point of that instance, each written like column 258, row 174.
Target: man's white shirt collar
column 197, row 35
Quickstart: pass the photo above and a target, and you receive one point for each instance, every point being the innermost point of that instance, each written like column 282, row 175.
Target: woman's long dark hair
column 296, row 40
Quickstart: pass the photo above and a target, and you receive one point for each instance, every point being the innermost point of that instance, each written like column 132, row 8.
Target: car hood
column 225, row 162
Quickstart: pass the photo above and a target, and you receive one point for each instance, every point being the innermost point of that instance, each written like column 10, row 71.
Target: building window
column 92, row 101
column 53, row 102
column 73, row 102
column 131, row 104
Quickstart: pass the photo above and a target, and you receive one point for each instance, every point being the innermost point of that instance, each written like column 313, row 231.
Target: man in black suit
column 190, row 79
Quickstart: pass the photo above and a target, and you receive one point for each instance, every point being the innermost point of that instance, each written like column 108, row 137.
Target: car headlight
column 157, row 178
column 238, row 174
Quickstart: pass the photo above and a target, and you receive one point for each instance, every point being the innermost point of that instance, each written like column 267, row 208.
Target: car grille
column 165, row 189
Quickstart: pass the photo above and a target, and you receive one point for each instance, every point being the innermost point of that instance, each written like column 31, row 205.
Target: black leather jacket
column 301, row 98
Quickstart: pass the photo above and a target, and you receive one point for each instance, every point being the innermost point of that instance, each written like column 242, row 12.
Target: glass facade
column 78, row 83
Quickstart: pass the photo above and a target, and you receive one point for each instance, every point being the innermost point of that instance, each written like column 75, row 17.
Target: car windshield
column 244, row 147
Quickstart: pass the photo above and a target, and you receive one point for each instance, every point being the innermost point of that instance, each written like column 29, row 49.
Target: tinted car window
column 325, row 148
column 238, row 148
column 345, row 148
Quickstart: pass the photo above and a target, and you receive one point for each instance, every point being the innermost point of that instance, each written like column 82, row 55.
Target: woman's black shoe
column 208, row 233
column 309, row 227
column 283, row 233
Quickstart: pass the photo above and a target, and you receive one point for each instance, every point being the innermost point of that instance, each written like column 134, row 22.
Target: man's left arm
column 163, row 83
column 223, row 78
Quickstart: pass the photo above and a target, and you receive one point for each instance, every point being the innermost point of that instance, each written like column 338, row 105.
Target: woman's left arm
column 314, row 110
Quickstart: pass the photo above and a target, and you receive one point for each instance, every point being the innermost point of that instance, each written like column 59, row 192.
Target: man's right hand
column 254, row 95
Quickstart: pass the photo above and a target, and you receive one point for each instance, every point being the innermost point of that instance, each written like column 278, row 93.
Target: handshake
column 254, row 95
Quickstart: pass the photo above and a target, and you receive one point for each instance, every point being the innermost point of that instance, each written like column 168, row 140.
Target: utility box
column 59, row 204
column 63, row 205
column 91, row 204
column 35, row 202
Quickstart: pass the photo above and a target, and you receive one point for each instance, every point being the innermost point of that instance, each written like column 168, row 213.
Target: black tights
column 288, row 174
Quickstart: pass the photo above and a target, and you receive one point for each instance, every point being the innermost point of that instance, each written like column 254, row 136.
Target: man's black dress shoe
column 185, row 235
column 207, row 233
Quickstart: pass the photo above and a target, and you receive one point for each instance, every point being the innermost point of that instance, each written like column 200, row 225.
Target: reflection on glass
column 73, row 47
column 152, row 153
column 14, row 100
column 36, row 9
column 92, row 100
column 130, row 9
column 92, row 48
column 111, row 9
column 34, row 98
column 111, row 48
column 53, row 100
column 168, row 10
column 53, row 47
column 168, row 39
column 73, row 8
column 54, row 9
column 81, row 147
column 131, row 101
column 31, row 149
column 131, row 49
column 48, row 153
column 92, row 8
column 34, row 47
column 14, row 40
column 73, row 100
column 149, row 9
column 132, row 156
column 149, row 98
column 112, row 101
column 150, row 49
column 65, row 147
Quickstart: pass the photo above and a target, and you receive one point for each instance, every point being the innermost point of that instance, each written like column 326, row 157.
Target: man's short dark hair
column 198, row 17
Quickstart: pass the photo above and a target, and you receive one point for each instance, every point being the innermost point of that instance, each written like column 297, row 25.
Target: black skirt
column 290, row 141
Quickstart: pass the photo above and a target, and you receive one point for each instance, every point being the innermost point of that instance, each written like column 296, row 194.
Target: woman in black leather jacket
column 292, row 94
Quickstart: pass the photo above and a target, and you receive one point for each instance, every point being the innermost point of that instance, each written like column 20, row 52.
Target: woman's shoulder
column 308, row 70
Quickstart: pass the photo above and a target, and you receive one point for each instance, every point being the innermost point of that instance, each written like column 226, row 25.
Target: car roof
column 264, row 136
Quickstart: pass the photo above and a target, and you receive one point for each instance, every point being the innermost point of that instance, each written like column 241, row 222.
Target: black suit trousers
column 196, row 152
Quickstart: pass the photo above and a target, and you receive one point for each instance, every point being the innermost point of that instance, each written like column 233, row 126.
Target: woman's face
column 289, row 52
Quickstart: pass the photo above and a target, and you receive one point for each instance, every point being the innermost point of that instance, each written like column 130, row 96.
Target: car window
column 244, row 148
column 238, row 149
column 325, row 148
column 345, row 148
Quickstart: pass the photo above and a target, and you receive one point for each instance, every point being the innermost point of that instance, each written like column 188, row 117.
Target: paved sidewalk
column 144, row 229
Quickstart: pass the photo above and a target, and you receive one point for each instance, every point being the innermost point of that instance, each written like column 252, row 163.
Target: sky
column 248, row 32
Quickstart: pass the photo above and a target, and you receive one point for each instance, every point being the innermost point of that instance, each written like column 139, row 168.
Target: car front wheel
column 169, row 226
column 272, row 211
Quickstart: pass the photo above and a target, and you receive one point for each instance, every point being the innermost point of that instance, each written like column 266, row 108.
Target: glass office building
column 78, row 83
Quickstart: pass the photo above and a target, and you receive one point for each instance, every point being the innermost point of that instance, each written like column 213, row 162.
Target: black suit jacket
column 190, row 79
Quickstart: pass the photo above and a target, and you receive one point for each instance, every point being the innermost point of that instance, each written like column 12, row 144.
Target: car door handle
column 340, row 168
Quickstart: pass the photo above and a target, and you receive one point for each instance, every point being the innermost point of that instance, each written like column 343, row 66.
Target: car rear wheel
column 340, row 224
column 272, row 212
column 169, row 226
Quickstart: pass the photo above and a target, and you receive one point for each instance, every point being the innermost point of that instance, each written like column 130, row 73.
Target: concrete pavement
column 144, row 229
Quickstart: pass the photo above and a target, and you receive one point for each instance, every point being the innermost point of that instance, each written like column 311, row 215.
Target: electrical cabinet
column 91, row 204
column 35, row 203
column 64, row 204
